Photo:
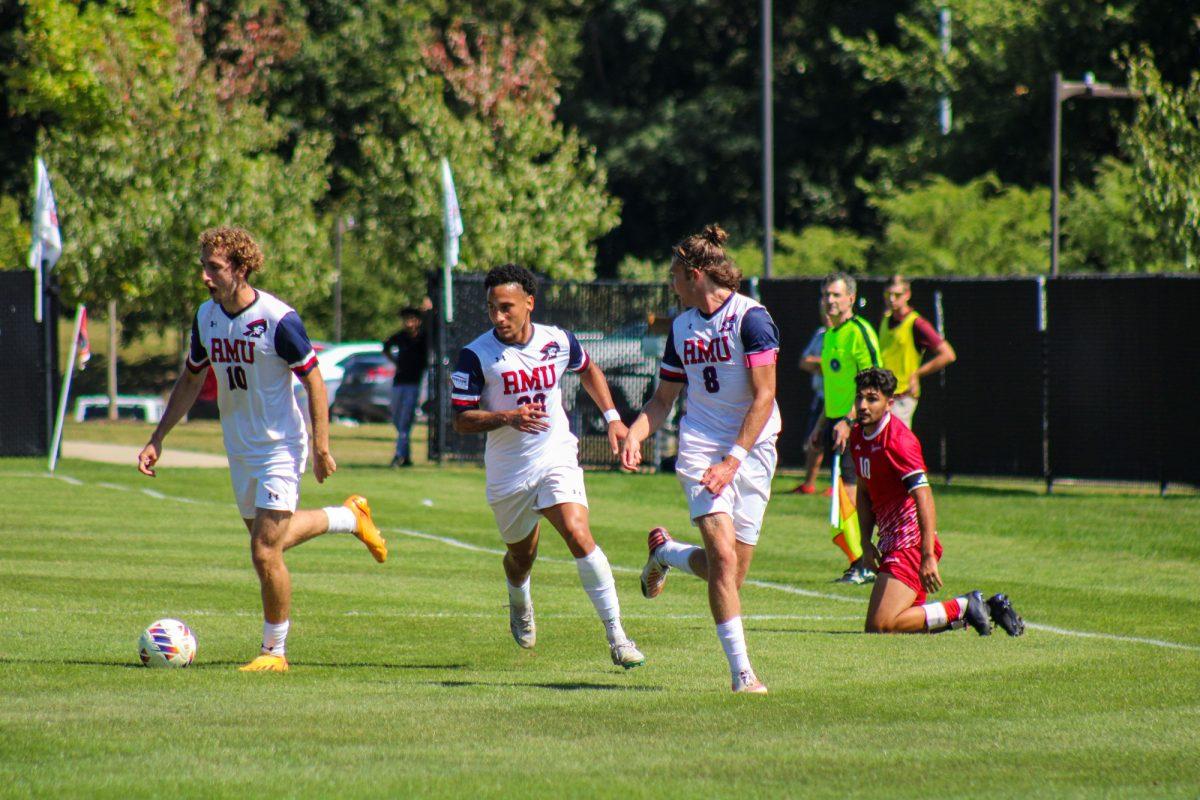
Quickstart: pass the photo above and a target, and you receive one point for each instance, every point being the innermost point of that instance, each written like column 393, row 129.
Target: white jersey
column 713, row 354
column 253, row 354
column 496, row 376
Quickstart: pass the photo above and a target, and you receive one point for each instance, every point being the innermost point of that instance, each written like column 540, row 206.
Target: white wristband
column 738, row 452
column 612, row 416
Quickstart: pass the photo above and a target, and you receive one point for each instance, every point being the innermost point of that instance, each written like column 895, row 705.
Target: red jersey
column 891, row 466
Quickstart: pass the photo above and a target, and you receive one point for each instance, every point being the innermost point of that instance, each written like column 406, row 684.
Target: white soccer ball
column 167, row 643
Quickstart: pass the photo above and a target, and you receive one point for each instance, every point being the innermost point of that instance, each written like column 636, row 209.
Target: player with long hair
column 723, row 348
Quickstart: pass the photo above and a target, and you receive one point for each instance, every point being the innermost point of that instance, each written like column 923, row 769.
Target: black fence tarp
column 28, row 367
column 1075, row 377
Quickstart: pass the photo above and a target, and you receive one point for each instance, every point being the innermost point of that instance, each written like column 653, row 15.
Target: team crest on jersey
column 550, row 351
column 834, row 364
column 256, row 328
column 729, row 324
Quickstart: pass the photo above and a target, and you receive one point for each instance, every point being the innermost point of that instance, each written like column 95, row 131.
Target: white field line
column 781, row 587
column 196, row 612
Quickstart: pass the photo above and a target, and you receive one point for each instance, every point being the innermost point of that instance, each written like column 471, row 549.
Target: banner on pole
column 453, row 226
column 47, row 240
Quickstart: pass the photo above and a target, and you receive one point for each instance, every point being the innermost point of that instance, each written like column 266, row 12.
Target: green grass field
column 405, row 681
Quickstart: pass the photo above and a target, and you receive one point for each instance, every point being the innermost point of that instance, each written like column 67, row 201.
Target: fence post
column 1043, row 326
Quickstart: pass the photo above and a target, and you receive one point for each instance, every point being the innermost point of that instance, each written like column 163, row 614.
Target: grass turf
column 406, row 682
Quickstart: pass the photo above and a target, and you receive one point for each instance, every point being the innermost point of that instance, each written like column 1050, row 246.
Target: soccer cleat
column 625, row 654
column 654, row 574
column 1004, row 615
column 804, row 488
column 366, row 531
column 524, row 629
column 976, row 614
column 746, row 682
column 266, row 663
column 857, row 576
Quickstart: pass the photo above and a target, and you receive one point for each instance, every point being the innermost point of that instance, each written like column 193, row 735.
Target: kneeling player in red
column 894, row 493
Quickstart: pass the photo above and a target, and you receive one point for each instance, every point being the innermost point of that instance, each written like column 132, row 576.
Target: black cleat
column 1004, row 615
column 976, row 614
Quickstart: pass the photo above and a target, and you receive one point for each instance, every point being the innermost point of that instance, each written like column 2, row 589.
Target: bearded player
column 508, row 384
column 894, row 493
column 724, row 348
column 255, row 343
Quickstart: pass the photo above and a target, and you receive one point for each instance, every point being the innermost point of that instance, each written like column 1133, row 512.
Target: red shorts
column 905, row 566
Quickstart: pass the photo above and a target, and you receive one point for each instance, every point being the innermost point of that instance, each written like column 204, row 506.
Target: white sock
column 519, row 595
column 733, row 640
column 274, row 639
column 937, row 616
column 677, row 554
column 341, row 519
column 596, row 576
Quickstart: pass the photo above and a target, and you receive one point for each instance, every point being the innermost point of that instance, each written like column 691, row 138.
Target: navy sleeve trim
column 197, row 353
column 466, row 381
column 293, row 346
column 578, row 359
column 759, row 332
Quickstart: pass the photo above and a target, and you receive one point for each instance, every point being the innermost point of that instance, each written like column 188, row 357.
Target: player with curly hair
column 255, row 343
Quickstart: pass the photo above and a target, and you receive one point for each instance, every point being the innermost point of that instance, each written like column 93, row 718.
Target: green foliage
column 1165, row 143
column 981, row 227
column 643, row 270
column 997, row 75
column 1106, row 228
column 817, row 250
column 530, row 190
column 14, row 235
column 167, row 158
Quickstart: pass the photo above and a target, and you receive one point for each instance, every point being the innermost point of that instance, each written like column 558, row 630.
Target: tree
column 817, row 250
column 530, row 190
column 982, row 227
column 1164, row 140
column 1107, row 227
column 149, row 144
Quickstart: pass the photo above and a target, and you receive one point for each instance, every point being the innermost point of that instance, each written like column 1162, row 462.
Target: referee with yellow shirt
column 850, row 346
column 905, row 337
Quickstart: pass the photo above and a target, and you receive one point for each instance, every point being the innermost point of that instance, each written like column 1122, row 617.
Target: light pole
column 768, row 145
column 1065, row 90
column 340, row 226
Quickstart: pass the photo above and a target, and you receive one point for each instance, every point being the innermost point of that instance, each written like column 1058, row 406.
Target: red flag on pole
column 84, row 343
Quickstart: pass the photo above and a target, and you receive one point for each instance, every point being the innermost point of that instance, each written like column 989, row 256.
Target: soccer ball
column 167, row 643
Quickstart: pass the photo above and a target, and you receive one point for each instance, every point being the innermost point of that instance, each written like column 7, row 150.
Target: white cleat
column 625, row 654
column 747, row 682
column 654, row 574
column 524, row 629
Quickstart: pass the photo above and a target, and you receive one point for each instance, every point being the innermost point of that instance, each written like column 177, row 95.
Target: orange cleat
column 366, row 531
column 266, row 663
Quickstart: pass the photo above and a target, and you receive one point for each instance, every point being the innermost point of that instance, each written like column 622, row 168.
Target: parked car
column 365, row 393
column 331, row 360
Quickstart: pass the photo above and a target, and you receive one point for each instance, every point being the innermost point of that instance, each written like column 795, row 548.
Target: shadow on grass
column 563, row 686
column 806, row 631
column 224, row 664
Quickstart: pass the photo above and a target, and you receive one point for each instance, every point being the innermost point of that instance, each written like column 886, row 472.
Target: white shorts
column 273, row 484
column 904, row 408
column 517, row 513
column 744, row 500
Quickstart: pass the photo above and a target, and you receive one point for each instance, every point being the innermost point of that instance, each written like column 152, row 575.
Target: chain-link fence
column 613, row 322
column 1075, row 378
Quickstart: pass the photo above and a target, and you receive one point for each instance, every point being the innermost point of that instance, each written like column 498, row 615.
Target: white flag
column 47, row 241
column 451, row 216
